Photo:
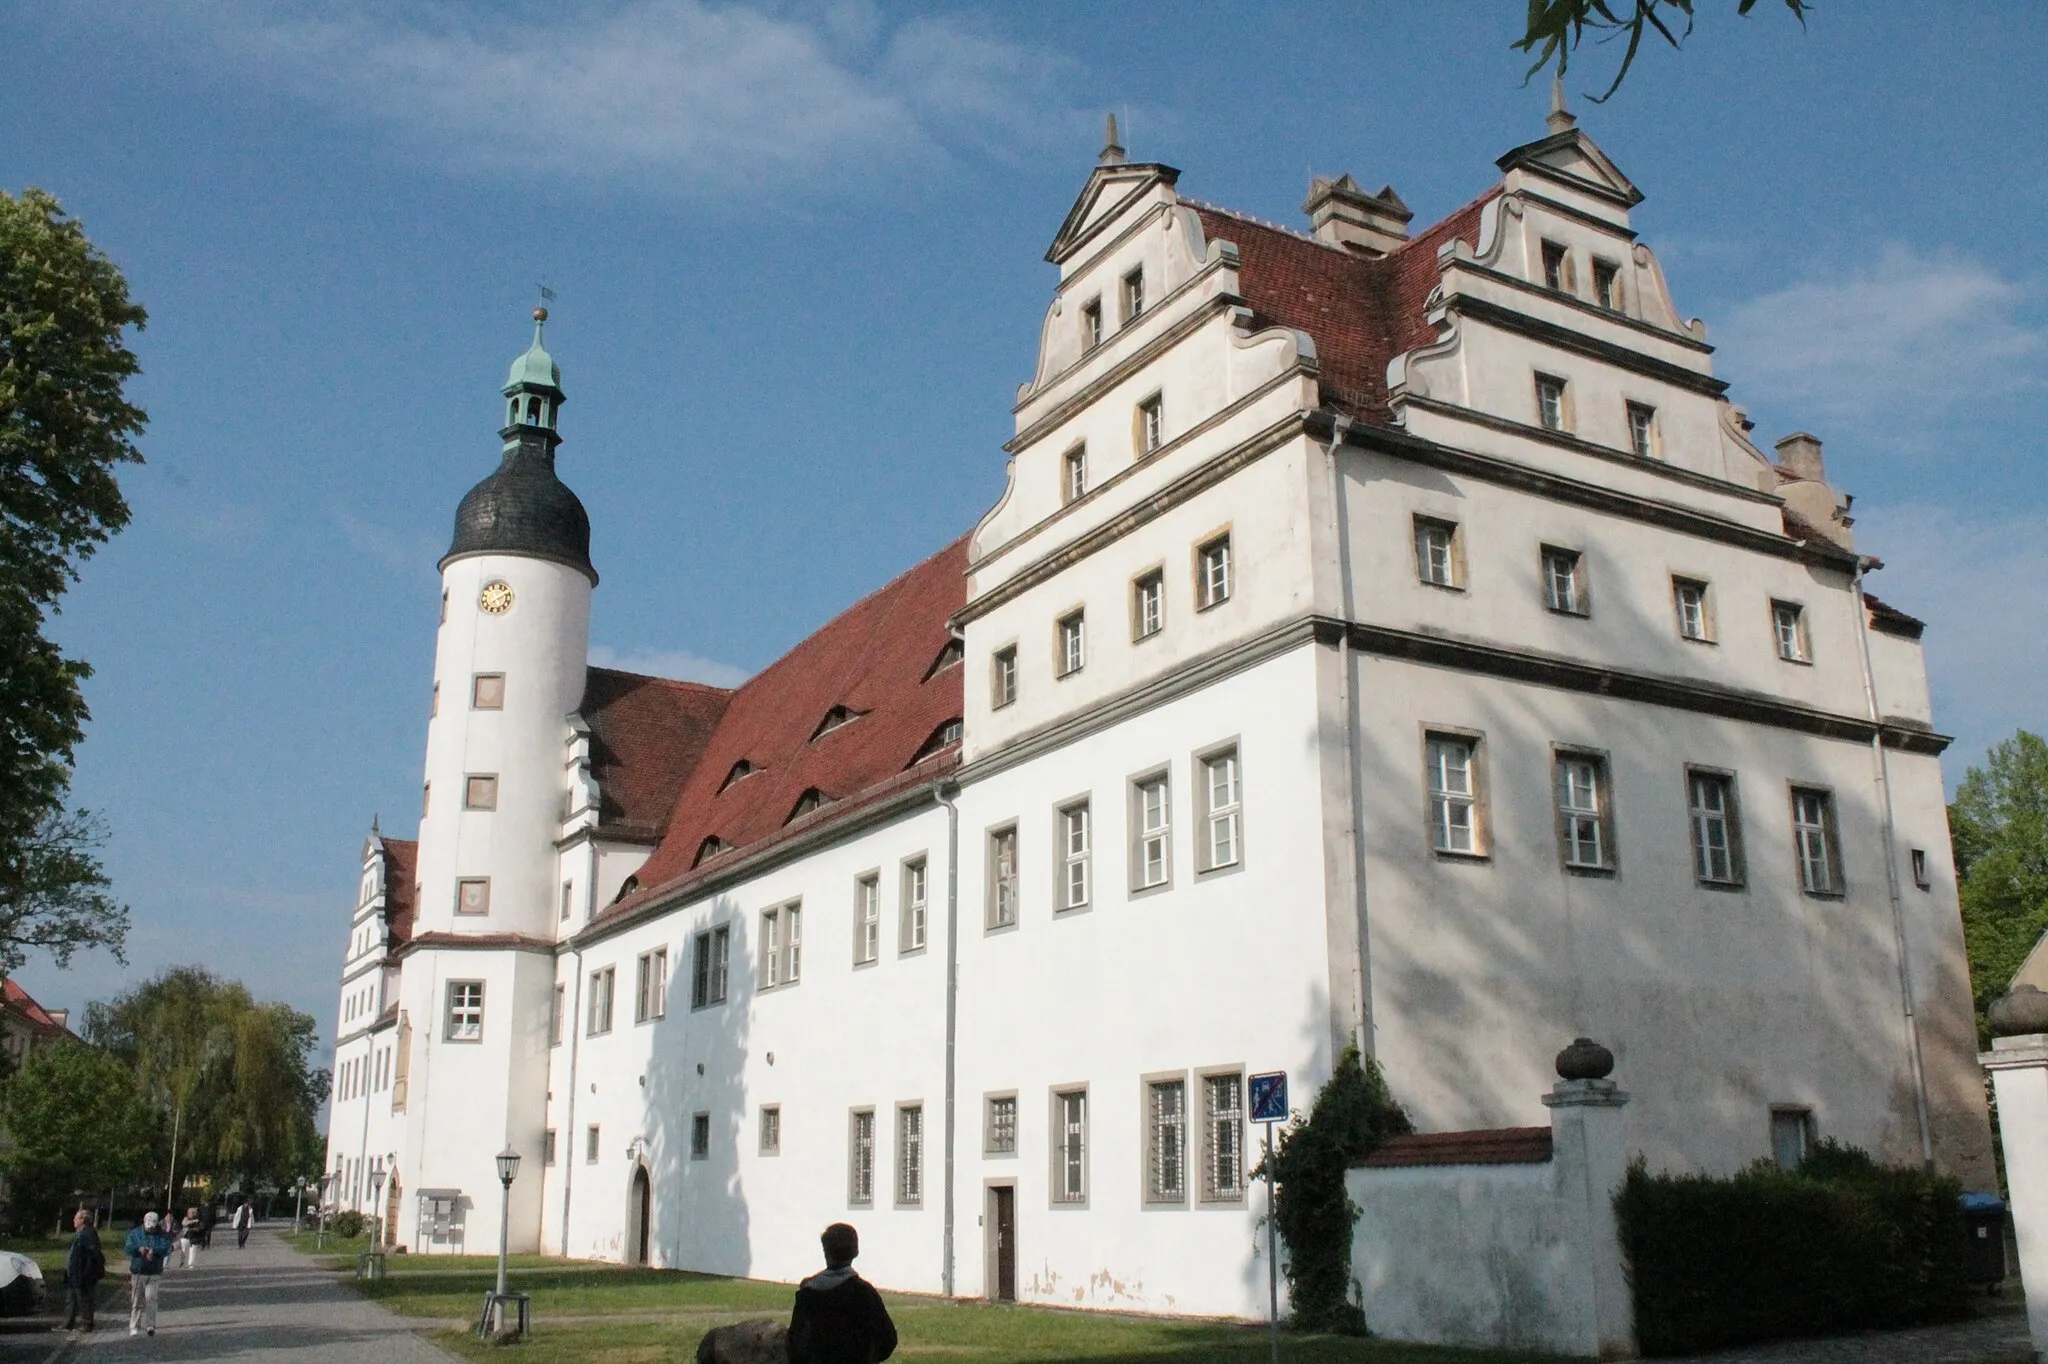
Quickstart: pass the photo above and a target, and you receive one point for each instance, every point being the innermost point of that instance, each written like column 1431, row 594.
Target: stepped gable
column 1361, row 310
column 401, row 870
column 647, row 735
column 874, row 660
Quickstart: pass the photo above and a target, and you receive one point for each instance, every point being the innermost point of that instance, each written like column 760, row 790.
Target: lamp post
column 299, row 1206
column 376, row 1207
column 494, row 1305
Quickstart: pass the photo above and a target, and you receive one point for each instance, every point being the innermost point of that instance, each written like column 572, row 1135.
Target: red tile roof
column 646, row 737
column 401, row 870
column 1361, row 310
column 13, row 997
column 872, row 659
column 1891, row 620
column 1494, row 1146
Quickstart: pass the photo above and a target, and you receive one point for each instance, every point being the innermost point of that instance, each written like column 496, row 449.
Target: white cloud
column 676, row 663
column 1971, row 577
column 678, row 94
column 1901, row 339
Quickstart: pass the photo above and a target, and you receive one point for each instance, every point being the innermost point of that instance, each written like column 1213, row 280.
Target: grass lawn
column 49, row 1251
column 609, row 1314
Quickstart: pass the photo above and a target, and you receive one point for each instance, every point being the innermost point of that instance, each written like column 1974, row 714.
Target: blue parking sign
column 1269, row 1096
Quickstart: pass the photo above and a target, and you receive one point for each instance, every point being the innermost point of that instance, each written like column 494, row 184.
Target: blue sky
column 797, row 250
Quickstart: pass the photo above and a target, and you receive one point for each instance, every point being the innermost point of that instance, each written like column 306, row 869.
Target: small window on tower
column 487, row 691
column 473, row 895
column 480, row 793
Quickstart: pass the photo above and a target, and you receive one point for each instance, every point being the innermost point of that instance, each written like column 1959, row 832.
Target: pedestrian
column 245, row 1218
column 206, row 1221
column 839, row 1317
column 149, row 1249
column 190, row 1232
column 84, row 1266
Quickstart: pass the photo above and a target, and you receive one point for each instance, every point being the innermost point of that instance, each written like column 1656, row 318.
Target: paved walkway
column 1997, row 1337
column 264, row 1304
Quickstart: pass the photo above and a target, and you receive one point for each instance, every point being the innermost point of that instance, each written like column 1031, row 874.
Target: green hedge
column 1843, row 1244
column 348, row 1224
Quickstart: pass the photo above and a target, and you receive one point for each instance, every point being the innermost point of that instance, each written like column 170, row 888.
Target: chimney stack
column 1799, row 456
column 1342, row 214
column 1803, row 483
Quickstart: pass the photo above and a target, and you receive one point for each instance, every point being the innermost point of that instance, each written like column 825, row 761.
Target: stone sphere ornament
column 2019, row 1012
column 1585, row 1059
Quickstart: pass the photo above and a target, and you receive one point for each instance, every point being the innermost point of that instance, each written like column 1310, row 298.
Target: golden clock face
column 496, row 598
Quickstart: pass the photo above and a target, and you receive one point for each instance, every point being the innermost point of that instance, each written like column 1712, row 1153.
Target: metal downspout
column 565, row 1144
column 1880, row 764
column 1362, row 1034
column 952, row 1018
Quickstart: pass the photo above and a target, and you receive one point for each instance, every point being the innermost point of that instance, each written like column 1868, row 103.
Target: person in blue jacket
column 149, row 1250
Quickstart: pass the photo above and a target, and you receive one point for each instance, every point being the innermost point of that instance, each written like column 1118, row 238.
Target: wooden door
column 1002, row 1220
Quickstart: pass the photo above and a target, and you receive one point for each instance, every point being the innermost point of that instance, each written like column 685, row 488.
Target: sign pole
column 1272, row 1250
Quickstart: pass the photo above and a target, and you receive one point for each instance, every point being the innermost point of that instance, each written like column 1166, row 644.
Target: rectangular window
column 703, row 951
column 590, row 1144
column 700, row 1136
column 1134, row 294
column 480, row 793
column 910, row 1155
column 1212, row 573
column 1222, row 811
column 1151, row 823
column 860, row 1172
column 1002, row 877
column 1436, row 552
column 1551, row 408
column 781, row 945
column 547, row 1147
column 1716, row 828
column 487, row 691
column 555, row 1015
column 1222, row 1138
column 1607, row 284
column 1564, row 587
column 1074, row 480
column 1166, row 1118
column 771, row 1129
column 1689, row 597
column 650, row 986
column 426, row 798
column 1002, row 677
column 1148, row 605
column 1791, row 1136
column 1921, row 877
column 867, row 920
column 1642, row 430
column 1074, row 845
column 1815, row 841
column 465, row 1011
column 434, row 704
column 1788, row 624
column 1585, row 825
column 1453, row 794
column 1151, row 424
column 1070, row 1146
column 1073, row 643
column 568, row 898
column 473, row 895
column 1091, row 323
column 1557, row 268
column 916, row 904
column 721, row 947
column 599, row 1019
column 1001, row 1137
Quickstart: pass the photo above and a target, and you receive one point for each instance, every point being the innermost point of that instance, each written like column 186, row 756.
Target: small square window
column 1091, row 324
column 1557, row 268
column 1788, row 625
column 1073, row 643
column 1000, row 1137
column 1134, row 294
column 1564, row 581
column 1074, row 474
column 1438, row 552
column 1921, row 876
column 1607, row 284
column 1151, row 424
column 480, row 793
column 1585, row 818
column 473, row 895
column 700, row 1136
column 465, row 1011
column 1553, row 407
column 771, row 1129
column 1003, row 677
column 1212, row 573
column 1002, row 877
column 487, row 691
column 1693, row 602
column 1642, row 431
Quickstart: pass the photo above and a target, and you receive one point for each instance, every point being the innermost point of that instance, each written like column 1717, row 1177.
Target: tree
column 1559, row 26
column 64, row 428
column 76, row 1123
column 1999, row 826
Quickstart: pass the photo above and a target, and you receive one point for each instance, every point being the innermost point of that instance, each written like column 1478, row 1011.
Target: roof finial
column 1112, row 150
column 1560, row 120
column 373, row 826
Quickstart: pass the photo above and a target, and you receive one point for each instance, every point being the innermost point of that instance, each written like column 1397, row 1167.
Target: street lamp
column 494, row 1303
column 299, row 1206
column 376, row 1206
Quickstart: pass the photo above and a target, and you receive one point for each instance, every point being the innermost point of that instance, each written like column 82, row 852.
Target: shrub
column 348, row 1224
column 1353, row 1114
column 1842, row 1244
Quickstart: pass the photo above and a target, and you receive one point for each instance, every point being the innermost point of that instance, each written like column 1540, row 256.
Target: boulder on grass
column 745, row 1342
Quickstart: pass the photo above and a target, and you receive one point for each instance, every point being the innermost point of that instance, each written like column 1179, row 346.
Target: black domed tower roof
column 523, row 508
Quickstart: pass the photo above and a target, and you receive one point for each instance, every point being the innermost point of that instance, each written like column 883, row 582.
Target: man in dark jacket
column 839, row 1317
column 84, row 1267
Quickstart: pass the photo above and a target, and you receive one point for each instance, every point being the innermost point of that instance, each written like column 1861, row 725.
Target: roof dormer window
column 949, row 657
column 809, row 802
column 710, row 848
column 740, row 771
column 946, row 736
column 834, row 718
column 1557, row 268
column 626, row 887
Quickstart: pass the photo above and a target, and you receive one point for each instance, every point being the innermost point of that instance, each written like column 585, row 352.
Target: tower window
column 487, row 691
column 1074, row 478
column 1607, row 284
column 1091, row 324
column 1557, row 268
column 480, row 793
column 1642, row 430
column 473, row 895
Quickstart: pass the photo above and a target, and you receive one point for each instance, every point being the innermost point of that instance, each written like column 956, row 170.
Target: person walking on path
column 149, row 1249
column 84, row 1266
column 190, row 1233
column 839, row 1317
column 245, row 1218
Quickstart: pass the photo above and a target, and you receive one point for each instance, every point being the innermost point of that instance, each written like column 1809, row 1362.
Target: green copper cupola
column 533, row 390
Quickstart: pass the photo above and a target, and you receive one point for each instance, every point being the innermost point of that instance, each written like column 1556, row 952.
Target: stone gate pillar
column 2018, row 1062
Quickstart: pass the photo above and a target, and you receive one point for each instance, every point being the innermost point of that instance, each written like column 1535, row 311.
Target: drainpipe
column 1362, row 1030
column 565, row 1141
column 952, row 1016
column 1880, row 764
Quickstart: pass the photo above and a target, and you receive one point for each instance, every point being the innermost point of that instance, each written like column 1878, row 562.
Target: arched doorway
column 639, row 1214
column 391, row 1212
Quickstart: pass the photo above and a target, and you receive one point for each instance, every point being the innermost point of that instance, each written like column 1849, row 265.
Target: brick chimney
column 1342, row 214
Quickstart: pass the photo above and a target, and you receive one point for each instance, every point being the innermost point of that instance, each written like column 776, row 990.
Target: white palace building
column 1384, row 638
